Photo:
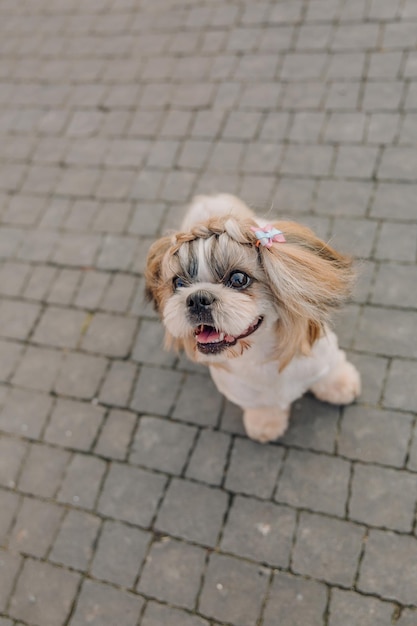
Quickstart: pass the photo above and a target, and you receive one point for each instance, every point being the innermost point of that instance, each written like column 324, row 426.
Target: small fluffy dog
column 252, row 301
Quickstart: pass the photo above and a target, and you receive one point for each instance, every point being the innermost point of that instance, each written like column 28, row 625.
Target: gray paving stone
column 118, row 383
column 349, row 607
column 233, row 590
column 399, row 552
column 343, row 96
column 313, row 425
column 307, row 126
column 147, row 218
column 397, row 242
column 39, row 282
column 162, row 445
column 295, row 600
column 10, row 356
column 78, row 250
column 156, row 390
column 315, row 482
column 9, row 567
column 80, row 375
column 199, row 401
column 64, row 287
column 397, row 164
column 275, row 126
column 52, row 588
column 226, row 157
column 208, row 458
column 383, row 497
column 117, row 253
column 9, row 505
column 119, row 294
column 263, row 158
column 35, row 527
column 192, row 511
column 112, row 218
column 394, row 285
column 38, row 369
column 115, row 436
column 256, row 190
column 74, row 424
column 327, row 549
column 355, row 162
column 260, row 531
column 13, row 276
column 157, row 614
column 374, row 436
column 231, row 419
column 25, row 413
column 383, row 96
column 383, row 128
column 109, row 335
column 355, row 37
column 82, row 481
column 394, row 199
column 12, row 453
column 384, row 65
column 253, row 469
column 120, row 553
column 241, row 125
column 345, row 128
column 92, row 287
column 408, row 617
column 264, row 96
column 60, row 328
column 307, row 160
column 75, row 541
column 293, row 196
column 149, row 345
column 400, row 392
column 172, row 572
column 17, row 318
column 412, row 461
column 105, row 605
column 408, row 129
column 387, row 331
column 42, row 470
column 131, row 494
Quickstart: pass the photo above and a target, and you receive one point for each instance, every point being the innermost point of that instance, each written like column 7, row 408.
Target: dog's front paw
column 342, row 386
column 265, row 424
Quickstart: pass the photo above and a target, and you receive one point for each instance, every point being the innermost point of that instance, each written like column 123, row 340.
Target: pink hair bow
column 267, row 235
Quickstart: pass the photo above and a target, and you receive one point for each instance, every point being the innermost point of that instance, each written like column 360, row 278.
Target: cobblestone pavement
column 129, row 494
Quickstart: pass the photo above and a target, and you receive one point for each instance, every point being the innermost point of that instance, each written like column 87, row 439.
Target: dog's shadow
column 313, row 425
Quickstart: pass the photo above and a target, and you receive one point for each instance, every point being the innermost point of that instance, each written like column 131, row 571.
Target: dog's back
column 203, row 208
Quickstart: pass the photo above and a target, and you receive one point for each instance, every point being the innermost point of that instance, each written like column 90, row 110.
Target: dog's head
column 218, row 291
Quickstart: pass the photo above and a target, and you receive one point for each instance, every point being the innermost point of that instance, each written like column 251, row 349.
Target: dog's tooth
column 221, row 337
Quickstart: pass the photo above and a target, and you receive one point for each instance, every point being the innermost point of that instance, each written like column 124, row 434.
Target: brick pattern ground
column 129, row 494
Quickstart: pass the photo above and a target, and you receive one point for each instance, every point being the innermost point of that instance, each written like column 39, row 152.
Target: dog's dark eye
column 238, row 280
column 179, row 282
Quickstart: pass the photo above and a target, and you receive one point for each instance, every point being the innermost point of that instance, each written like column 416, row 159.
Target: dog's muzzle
column 199, row 305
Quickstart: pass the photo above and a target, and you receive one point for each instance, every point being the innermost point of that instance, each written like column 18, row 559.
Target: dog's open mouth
column 211, row 341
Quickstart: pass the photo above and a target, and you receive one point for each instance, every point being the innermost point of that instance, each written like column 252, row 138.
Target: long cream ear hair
column 308, row 279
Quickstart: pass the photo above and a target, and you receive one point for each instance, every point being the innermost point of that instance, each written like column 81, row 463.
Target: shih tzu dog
column 252, row 300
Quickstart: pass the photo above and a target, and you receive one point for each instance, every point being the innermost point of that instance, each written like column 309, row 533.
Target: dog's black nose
column 200, row 301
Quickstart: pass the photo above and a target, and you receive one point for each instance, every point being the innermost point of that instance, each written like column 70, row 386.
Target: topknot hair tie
column 268, row 235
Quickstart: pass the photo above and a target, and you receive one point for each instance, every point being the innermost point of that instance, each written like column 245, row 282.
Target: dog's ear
column 155, row 286
column 308, row 279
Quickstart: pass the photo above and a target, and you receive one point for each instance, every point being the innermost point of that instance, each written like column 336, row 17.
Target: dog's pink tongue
column 208, row 335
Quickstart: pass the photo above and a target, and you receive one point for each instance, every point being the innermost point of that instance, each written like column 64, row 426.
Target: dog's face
column 218, row 293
